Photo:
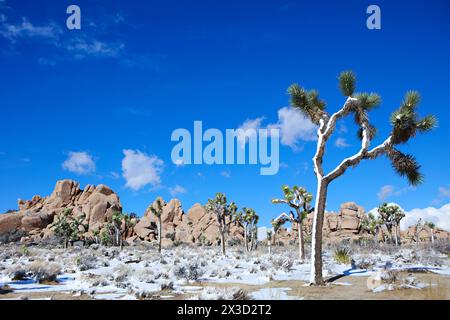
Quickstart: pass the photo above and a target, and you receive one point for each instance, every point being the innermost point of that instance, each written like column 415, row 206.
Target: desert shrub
column 12, row 236
column 342, row 255
column 4, row 289
column 233, row 242
column 121, row 273
column 170, row 235
column 166, row 285
column 190, row 272
column 86, row 262
column 43, row 272
column 241, row 294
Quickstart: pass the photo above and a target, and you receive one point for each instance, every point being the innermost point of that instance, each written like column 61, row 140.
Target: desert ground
column 420, row 271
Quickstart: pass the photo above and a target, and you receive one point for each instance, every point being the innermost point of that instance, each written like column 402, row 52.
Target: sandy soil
column 438, row 289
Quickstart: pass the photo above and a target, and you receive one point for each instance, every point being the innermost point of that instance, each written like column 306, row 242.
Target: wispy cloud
column 341, row 143
column 81, row 48
column 443, row 193
column 294, row 127
column 140, row 169
column 225, row 174
column 25, row 29
column 81, row 163
column 388, row 191
column 177, row 190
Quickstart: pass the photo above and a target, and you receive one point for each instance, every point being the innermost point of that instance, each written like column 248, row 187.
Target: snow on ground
column 139, row 272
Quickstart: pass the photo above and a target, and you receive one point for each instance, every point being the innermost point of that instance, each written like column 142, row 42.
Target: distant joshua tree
column 299, row 199
column 405, row 125
column 276, row 225
column 67, row 227
column 121, row 223
column 269, row 240
column 223, row 211
column 372, row 225
column 248, row 218
column 432, row 226
column 392, row 215
column 157, row 209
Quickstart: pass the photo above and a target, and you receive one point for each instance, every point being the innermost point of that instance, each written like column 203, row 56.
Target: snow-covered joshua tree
column 432, row 226
column 248, row 218
column 223, row 211
column 157, row 209
column 299, row 199
column 405, row 125
column 391, row 216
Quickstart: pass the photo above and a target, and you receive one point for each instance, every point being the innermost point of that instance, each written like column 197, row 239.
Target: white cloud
column 225, row 174
column 249, row 130
column 439, row 216
column 388, row 191
column 444, row 192
column 262, row 233
column 294, row 126
column 26, row 29
column 341, row 143
column 179, row 163
column 140, row 169
column 82, row 48
column 385, row 192
column 79, row 163
column 177, row 190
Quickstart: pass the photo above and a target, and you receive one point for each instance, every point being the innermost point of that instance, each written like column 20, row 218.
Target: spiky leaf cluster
column 405, row 120
column 308, row 102
column 157, row 207
column 391, row 214
column 405, row 165
column 347, row 83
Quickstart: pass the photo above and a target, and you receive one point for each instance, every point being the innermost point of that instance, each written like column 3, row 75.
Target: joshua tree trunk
column 245, row 237
column 222, row 240
column 432, row 235
column 254, row 238
column 270, row 247
column 316, row 241
column 159, row 234
column 395, row 236
column 301, row 242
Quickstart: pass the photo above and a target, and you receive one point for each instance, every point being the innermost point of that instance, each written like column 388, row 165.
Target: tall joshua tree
column 405, row 125
column 298, row 199
column 372, row 225
column 157, row 209
column 432, row 226
column 391, row 216
column 276, row 225
column 224, row 212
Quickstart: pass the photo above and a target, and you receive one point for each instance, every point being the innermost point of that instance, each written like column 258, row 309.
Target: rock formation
column 35, row 216
column 197, row 226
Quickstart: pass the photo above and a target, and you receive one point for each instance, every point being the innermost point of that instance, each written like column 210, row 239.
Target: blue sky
column 73, row 100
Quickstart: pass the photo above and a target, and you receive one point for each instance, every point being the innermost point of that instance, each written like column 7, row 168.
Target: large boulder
column 96, row 204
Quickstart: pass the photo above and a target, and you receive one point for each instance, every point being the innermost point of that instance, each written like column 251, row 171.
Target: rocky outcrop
column 424, row 234
column 35, row 216
column 344, row 225
column 197, row 226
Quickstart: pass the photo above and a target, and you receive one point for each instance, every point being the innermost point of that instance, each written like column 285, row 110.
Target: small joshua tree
column 121, row 223
column 269, row 240
column 248, row 218
column 254, row 231
column 431, row 226
column 223, row 211
column 392, row 215
column 276, row 225
column 372, row 225
column 405, row 122
column 298, row 199
column 157, row 209
column 67, row 227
